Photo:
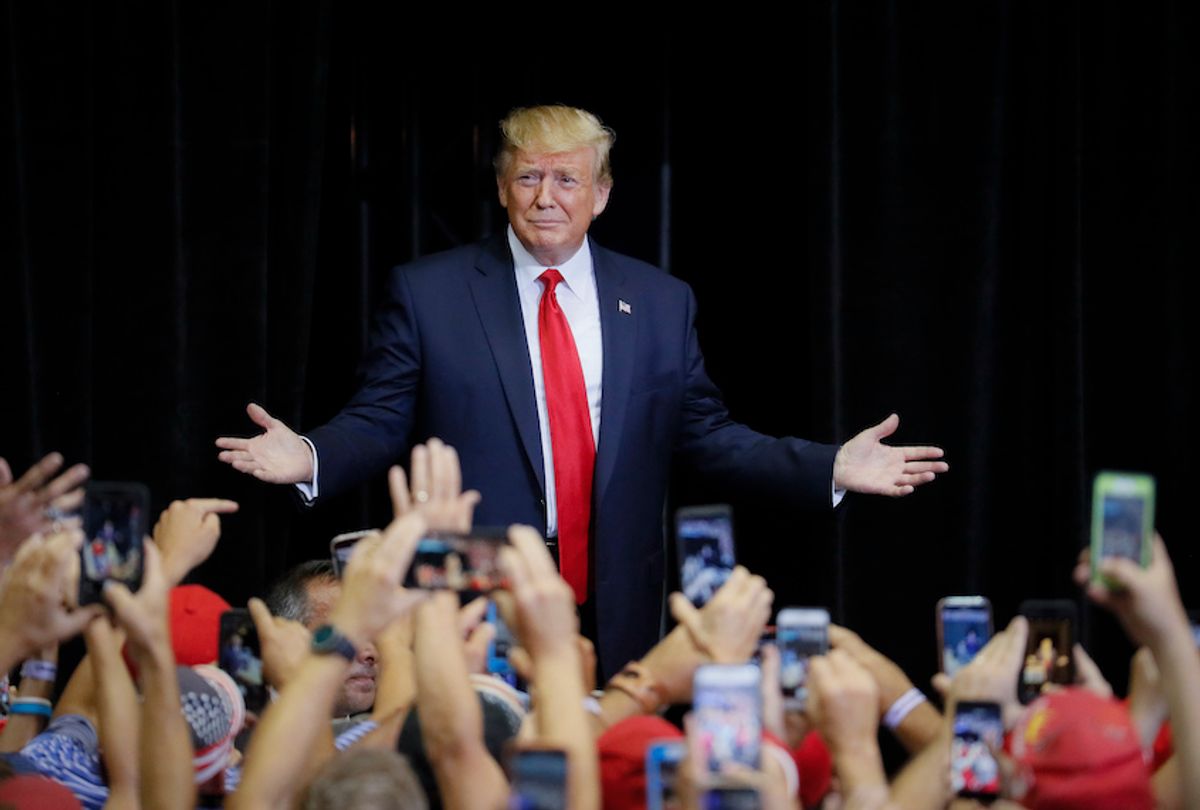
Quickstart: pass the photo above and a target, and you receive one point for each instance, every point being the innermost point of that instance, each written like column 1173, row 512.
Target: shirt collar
column 576, row 271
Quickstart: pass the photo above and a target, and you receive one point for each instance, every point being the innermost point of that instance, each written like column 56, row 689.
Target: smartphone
column 1122, row 518
column 539, row 779
column 240, row 655
column 662, row 765
column 458, row 562
column 115, row 522
column 978, row 733
column 704, row 535
column 1049, row 652
column 964, row 626
column 1194, row 621
column 342, row 546
column 497, row 654
column 727, row 715
column 800, row 633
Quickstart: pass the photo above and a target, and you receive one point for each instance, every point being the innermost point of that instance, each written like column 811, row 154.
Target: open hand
column 277, row 456
column 865, row 464
column 29, row 504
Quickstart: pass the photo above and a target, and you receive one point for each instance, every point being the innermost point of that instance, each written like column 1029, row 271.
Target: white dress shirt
column 578, row 300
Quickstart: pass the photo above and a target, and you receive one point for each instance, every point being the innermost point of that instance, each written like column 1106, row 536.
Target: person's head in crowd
column 306, row 594
column 366, row 779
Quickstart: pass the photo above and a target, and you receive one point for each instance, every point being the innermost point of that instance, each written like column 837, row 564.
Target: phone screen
column 662, row 765
column 457, row 562
column 965, row 631
column 1048, row 651
column 539, row 780
column 1122, row 516
column 240, row 656
column 978, row 732
column 727, row 714
column 706, row 553
column 114, row 526
column 800, row 633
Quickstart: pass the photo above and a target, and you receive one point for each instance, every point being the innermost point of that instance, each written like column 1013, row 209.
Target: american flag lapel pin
column 623, row 306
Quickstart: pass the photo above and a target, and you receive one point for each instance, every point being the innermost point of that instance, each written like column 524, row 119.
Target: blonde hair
column 555, row 128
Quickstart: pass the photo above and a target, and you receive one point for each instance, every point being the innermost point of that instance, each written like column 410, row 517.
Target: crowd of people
column 380, row 695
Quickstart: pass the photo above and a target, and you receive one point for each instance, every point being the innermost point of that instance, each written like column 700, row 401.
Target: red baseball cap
column 1075, row 749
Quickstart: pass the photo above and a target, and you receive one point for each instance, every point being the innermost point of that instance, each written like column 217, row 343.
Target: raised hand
column 436, row 490
column 865, row 464
column 35, row 592
column 728, row 628
column 277, row 456
column 31, row 503
column 187, row 532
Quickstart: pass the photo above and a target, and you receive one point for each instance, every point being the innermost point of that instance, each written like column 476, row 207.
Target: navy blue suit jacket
column 448, row 358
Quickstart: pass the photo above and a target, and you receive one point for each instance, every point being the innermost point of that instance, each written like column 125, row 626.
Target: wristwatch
column 326, row 639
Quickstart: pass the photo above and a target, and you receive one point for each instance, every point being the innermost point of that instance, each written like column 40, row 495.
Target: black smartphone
column 1049, row 652
column 342, row 546
column 704, row 535
column 115, row 522
column 731, row 798
column 978, row 734
column 539, row 779
column 964, row 626
column 467, row 562
column 240, row 656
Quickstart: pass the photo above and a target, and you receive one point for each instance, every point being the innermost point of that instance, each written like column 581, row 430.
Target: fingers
column 39, row 473
column 5, row 473
column 71, row 480
column 231, row 443
column 398, row 489
column 263, row 620
column 66, row 504
column 471, row 614
column 923, row 452
column 532, row 550
column 941, row 684
column 259, row 416
column 917, row 467
column 685, row 613
column 219, row 506
column 1088, row 675
column 911, row 481
column 399, row 543
column 419, row 470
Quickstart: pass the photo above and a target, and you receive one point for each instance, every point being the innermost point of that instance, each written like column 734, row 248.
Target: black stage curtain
column 972, row 214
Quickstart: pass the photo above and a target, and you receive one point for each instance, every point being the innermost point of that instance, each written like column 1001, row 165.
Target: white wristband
column 902, row 707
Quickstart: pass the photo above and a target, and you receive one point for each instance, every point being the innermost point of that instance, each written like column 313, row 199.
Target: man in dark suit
column 567, row 377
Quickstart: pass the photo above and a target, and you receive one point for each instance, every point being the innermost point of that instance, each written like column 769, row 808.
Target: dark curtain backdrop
column 977, row 215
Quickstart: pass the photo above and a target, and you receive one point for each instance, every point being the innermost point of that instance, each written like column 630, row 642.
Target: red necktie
column 570, row 436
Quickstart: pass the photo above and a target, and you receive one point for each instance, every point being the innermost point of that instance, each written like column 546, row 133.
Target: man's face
column 551, row 199
column 358, row 692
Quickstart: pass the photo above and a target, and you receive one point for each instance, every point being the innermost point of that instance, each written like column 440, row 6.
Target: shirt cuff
column 838, row 494
column 309, row 490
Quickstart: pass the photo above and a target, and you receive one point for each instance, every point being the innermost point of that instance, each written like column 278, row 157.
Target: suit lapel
column 494, row 289
column 618, row 327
